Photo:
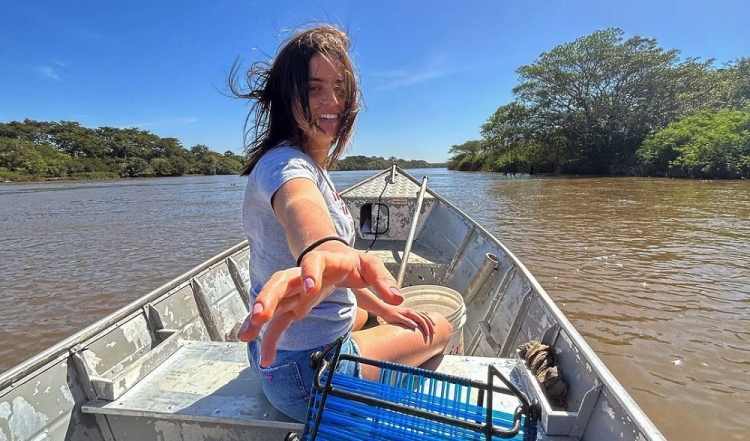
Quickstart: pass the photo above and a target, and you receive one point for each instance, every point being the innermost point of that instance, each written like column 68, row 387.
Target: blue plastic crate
column 411, row 404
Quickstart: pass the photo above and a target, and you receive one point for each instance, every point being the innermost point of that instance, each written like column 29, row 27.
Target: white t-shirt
column 269, row 249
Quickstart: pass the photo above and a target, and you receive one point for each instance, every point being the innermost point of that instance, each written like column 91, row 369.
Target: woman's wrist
column 318, row 243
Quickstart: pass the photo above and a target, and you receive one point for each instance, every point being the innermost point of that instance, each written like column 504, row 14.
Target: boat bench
column 206, row 389
column 426, row 265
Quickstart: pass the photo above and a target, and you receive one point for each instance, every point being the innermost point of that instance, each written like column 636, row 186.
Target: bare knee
column 443, row 329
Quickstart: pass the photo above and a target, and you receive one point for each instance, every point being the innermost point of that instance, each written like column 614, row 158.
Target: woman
column 304, row 108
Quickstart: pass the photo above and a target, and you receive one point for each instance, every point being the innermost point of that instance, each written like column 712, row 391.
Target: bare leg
column 400, row 344
column 360, row 319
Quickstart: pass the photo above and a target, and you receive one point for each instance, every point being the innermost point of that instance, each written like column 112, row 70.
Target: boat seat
column 426, row 265
column 475, row 368
column 202, row 386
column 392, row 251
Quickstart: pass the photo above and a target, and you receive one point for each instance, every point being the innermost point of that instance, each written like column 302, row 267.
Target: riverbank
column 15, row 177
column 113, row 176
column 92, row 177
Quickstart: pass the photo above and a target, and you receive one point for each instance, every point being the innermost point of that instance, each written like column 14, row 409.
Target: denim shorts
column 287, row 383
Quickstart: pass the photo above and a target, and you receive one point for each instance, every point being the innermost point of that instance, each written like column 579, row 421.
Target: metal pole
column 412, row 231
column 481, row 276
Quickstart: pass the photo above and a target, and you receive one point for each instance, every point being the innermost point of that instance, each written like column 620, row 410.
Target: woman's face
column 327, row 97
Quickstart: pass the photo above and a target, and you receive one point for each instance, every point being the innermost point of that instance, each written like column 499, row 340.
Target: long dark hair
column 278, row 90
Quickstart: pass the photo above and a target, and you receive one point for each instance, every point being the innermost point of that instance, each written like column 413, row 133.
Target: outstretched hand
column 290, row 294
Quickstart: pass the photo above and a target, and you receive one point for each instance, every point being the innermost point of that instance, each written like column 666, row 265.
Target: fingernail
column 244, row 327
column 395, row 291
column 309, row 283
column 257, row 309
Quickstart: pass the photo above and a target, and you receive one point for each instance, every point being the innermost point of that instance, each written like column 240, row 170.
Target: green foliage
column 705, row 145
column 35, row 159
column 603, row 94
column 380, row 163
column 174, row 166
column 585, row 107
column 32, row 150
column 229, row 165
column 16, row 176
column 468, row 156
column 136, row 168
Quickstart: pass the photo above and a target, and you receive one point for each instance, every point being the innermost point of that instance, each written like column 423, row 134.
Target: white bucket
column 446, row 301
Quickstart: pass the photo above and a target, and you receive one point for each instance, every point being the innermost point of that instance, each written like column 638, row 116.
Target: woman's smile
column 327, row 98
column 329, row 123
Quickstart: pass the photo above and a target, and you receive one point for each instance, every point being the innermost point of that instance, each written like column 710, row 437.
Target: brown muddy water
column 654, row 273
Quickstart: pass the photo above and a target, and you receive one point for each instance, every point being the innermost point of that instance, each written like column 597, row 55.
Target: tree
column 36, row 132
column 135, row 168
column 229, row 165
column 466, row 156
column 200, row 151
column 77, row 141
column 33, row 150
column 512, row 142
column 705, row 145
column 603, row 95
column 736, row 77
column 34, row 159
column 359, row 162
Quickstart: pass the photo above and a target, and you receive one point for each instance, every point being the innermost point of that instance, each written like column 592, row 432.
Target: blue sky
column 431, row 71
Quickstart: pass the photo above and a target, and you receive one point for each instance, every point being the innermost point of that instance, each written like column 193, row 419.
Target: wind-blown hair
column 278, row 90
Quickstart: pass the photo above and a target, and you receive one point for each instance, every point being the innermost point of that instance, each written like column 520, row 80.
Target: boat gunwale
column 59, row 351
column 603, row 373
column 16, row 373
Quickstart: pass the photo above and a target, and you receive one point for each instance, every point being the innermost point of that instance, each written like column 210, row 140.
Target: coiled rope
column 542, row 362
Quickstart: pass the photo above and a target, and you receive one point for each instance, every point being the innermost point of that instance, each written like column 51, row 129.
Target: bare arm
column 290, row 294
column 303, row 213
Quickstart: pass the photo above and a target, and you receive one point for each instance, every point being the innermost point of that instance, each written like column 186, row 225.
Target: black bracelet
column 318, row 243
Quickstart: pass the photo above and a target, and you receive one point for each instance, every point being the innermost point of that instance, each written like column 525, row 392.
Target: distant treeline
column 379, row 163
column 608, row 106
column 33, row 150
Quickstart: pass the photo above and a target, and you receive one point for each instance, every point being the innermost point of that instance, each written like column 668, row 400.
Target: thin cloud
column 82, row 32
column 401, row 78
column 49, row 73
column 429, row 67
column 89, row 34
column 71, row 27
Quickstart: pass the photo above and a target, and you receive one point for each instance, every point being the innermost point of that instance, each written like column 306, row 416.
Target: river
column 654, row 273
